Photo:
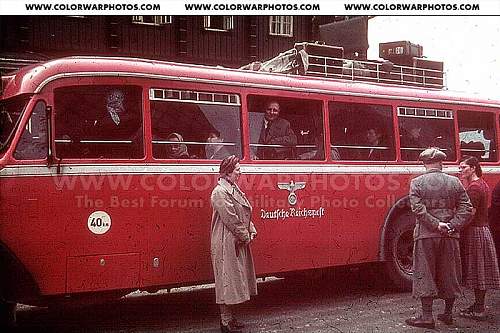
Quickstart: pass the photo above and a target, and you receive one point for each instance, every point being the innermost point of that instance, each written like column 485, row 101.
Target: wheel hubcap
column 404, row 252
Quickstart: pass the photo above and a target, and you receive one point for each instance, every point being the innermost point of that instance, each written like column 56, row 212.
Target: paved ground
column 342, row 302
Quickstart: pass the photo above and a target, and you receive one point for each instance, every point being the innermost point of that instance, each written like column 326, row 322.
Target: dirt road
column 346, row 301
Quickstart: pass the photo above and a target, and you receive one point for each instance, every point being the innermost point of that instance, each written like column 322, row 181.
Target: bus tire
column 400, row 251
column 7, row 315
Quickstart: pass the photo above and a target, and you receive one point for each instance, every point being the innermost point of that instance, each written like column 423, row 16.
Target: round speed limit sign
column 99, row 222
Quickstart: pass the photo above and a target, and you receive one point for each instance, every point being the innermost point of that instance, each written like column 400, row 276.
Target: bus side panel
column 34, row 230
column 288, row 239
column 179, row 215
column 107, row 228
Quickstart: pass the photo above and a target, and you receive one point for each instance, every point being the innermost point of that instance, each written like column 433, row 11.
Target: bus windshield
column 10, row 114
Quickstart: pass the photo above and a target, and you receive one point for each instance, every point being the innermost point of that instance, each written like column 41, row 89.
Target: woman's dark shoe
column 446, row 318
column 419, row 322
column 229, row 328
column 237, row 324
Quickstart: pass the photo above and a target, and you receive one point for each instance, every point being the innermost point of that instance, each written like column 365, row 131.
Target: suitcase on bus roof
column 433, row 76
column 319, row 55
column 400, row 49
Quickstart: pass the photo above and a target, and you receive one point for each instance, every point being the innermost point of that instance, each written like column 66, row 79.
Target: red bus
column 94, row 203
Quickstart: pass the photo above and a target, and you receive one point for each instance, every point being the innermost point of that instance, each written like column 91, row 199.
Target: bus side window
column 285, row 128
column 98, row 122
column 477, row 135
column 195, row 124
column 33, row 144
column 420, row 128
column 362, row 132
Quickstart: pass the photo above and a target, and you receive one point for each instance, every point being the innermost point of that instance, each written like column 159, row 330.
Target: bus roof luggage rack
column 314, row 59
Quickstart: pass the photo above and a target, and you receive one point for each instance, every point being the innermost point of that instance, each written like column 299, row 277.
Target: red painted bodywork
column 44, row 217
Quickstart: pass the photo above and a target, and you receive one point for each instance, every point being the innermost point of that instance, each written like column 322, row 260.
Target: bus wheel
column 400, row 251
column 7, row 315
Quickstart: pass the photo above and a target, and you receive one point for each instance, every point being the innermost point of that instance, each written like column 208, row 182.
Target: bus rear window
column 99, row 122
column 10, row 114
column 477, row 135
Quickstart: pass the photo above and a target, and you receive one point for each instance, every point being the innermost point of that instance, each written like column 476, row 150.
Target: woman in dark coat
column 479, row 257
column 231, row 234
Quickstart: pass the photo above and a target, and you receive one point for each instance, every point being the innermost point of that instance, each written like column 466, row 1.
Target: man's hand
column 446, row 228
column 451, row 230
column 443, row 228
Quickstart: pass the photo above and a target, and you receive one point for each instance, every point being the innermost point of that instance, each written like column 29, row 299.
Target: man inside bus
column 442, row 208
column 411, row 141
column 277, row 132
column 374, row 139
column 215, row 150
column 120, row 122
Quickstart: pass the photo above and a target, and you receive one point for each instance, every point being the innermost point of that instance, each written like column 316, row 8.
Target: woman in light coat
column 231, row 234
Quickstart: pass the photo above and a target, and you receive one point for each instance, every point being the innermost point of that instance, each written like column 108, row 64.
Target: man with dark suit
column 215, row 150
column 411, row 141
column 277, row 133
column 378, row 152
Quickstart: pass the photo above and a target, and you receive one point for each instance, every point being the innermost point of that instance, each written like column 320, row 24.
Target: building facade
column 230, row 41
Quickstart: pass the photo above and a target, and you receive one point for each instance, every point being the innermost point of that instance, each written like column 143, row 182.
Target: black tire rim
column 403, row 252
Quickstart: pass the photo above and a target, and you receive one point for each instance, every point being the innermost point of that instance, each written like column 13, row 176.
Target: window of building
column 98, row 122
column 286, row 128
column 219, row 22
column 477, row 135
column 195, row 124
column 361, row 132
column 281, row 25
column 33, row 144
column 421, row 128
column 153, row 19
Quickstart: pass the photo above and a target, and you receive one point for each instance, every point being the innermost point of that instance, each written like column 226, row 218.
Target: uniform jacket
column 438, row 197
column 278, row 132
column 232, row 260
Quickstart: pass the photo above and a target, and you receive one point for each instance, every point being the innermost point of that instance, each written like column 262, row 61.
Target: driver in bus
column 276, row 131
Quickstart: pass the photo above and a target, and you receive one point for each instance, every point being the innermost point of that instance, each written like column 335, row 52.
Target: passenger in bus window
column 317, row 153
column 232, row 231
column 176, row 150
column 374, row 139
column 411, row 142
column 115, row 106
column 479, row 258
column 276, row 131
column 119, row 120
column 215, row 150
column 442, row 208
